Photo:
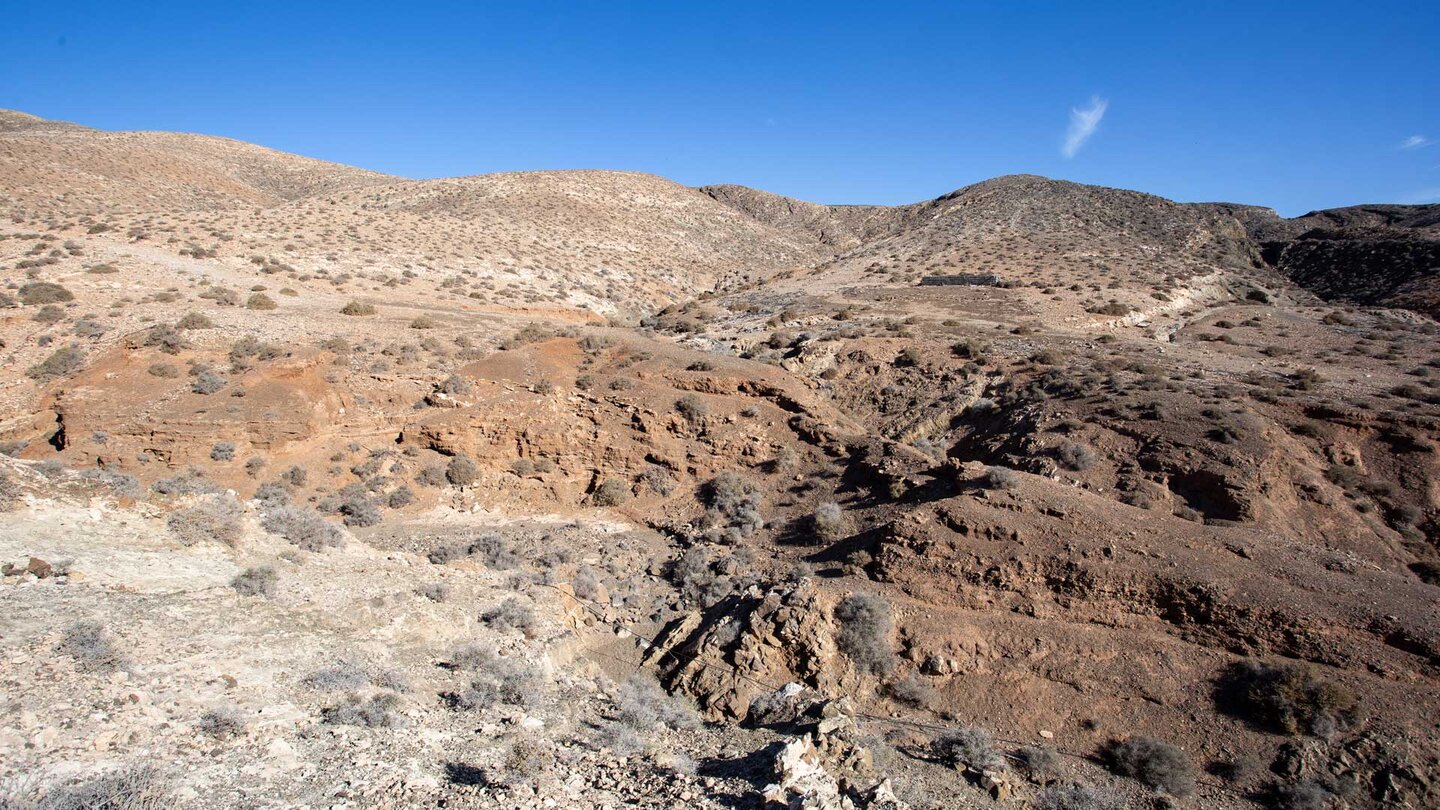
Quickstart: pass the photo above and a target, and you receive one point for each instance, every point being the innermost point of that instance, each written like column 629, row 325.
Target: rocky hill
column 326, row 488
column 1379, row 255
column 56, row 169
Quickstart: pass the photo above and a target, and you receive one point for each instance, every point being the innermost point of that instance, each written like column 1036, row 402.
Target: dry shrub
column 611, row 492
column 92, row 647
column 44, row 292
column 357, row 308
column 828, row 522
column 257, row 581
column 214, row 520
column 969, row 748
column 866, row 626
column 511, row 614
column 133, row 787
column 643, row 705
column 62, row 362
column 303, row 527
column 1154, row 763
column 1077, row 797
column 376, row 711
column 462, row 471
column 1289, row 698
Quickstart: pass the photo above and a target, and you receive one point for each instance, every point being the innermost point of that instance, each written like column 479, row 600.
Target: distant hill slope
column 626, row 237
column 16, row 121
column 840, row 226
column 1089, row 247
column 61, row 168
column 636, row 241
column 1032, row 230
column 610, row 242
column 1377, row 255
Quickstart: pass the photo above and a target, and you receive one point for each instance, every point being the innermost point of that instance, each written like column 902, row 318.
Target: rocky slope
column 61, row 169
column 1125, row 482
column 1376, row 255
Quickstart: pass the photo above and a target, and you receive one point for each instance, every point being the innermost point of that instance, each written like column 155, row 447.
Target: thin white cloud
column 1416, row 141
column 1083, row 122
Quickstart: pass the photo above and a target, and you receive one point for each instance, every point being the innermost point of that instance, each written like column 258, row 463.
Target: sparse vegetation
column 828, row 522
column 1289, row 698
column 911, row 690
column 195, row 320
column 375, row 711
column 511, row 614
column 260, row 580
column 1041, row 763
column 36, row 293
column 221, row 723
column 9, row 492
column 215, row 520
column 359, row 511
column 642, row 705
column 130, row 787
column 165, row 338
column 999, row 478
column 1154, row 763
column 693, row 575
column 61, row 363
column 732, row 509
column 207, row 382
column 691, row 407
column 92, row 648
column 462, row 471
column 967, row 748
column 611, row 492
column 496, row 680
column 1077, row 797
column 866, row 626
column 1075, row 457
column 303, row 527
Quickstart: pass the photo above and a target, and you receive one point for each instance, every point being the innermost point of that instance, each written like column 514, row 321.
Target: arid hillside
column 588, row 489
column 58, row 169
column 1385, row 255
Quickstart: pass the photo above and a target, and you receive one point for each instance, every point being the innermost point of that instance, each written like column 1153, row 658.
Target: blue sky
column 1294, row 106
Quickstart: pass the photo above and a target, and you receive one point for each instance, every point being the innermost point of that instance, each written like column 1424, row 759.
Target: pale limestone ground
column 194, row 644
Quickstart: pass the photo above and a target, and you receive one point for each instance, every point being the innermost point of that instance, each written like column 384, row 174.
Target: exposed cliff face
column 1373, row 255
column 1363, row 267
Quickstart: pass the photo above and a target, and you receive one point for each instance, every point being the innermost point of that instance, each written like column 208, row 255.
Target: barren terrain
column 325, row 488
